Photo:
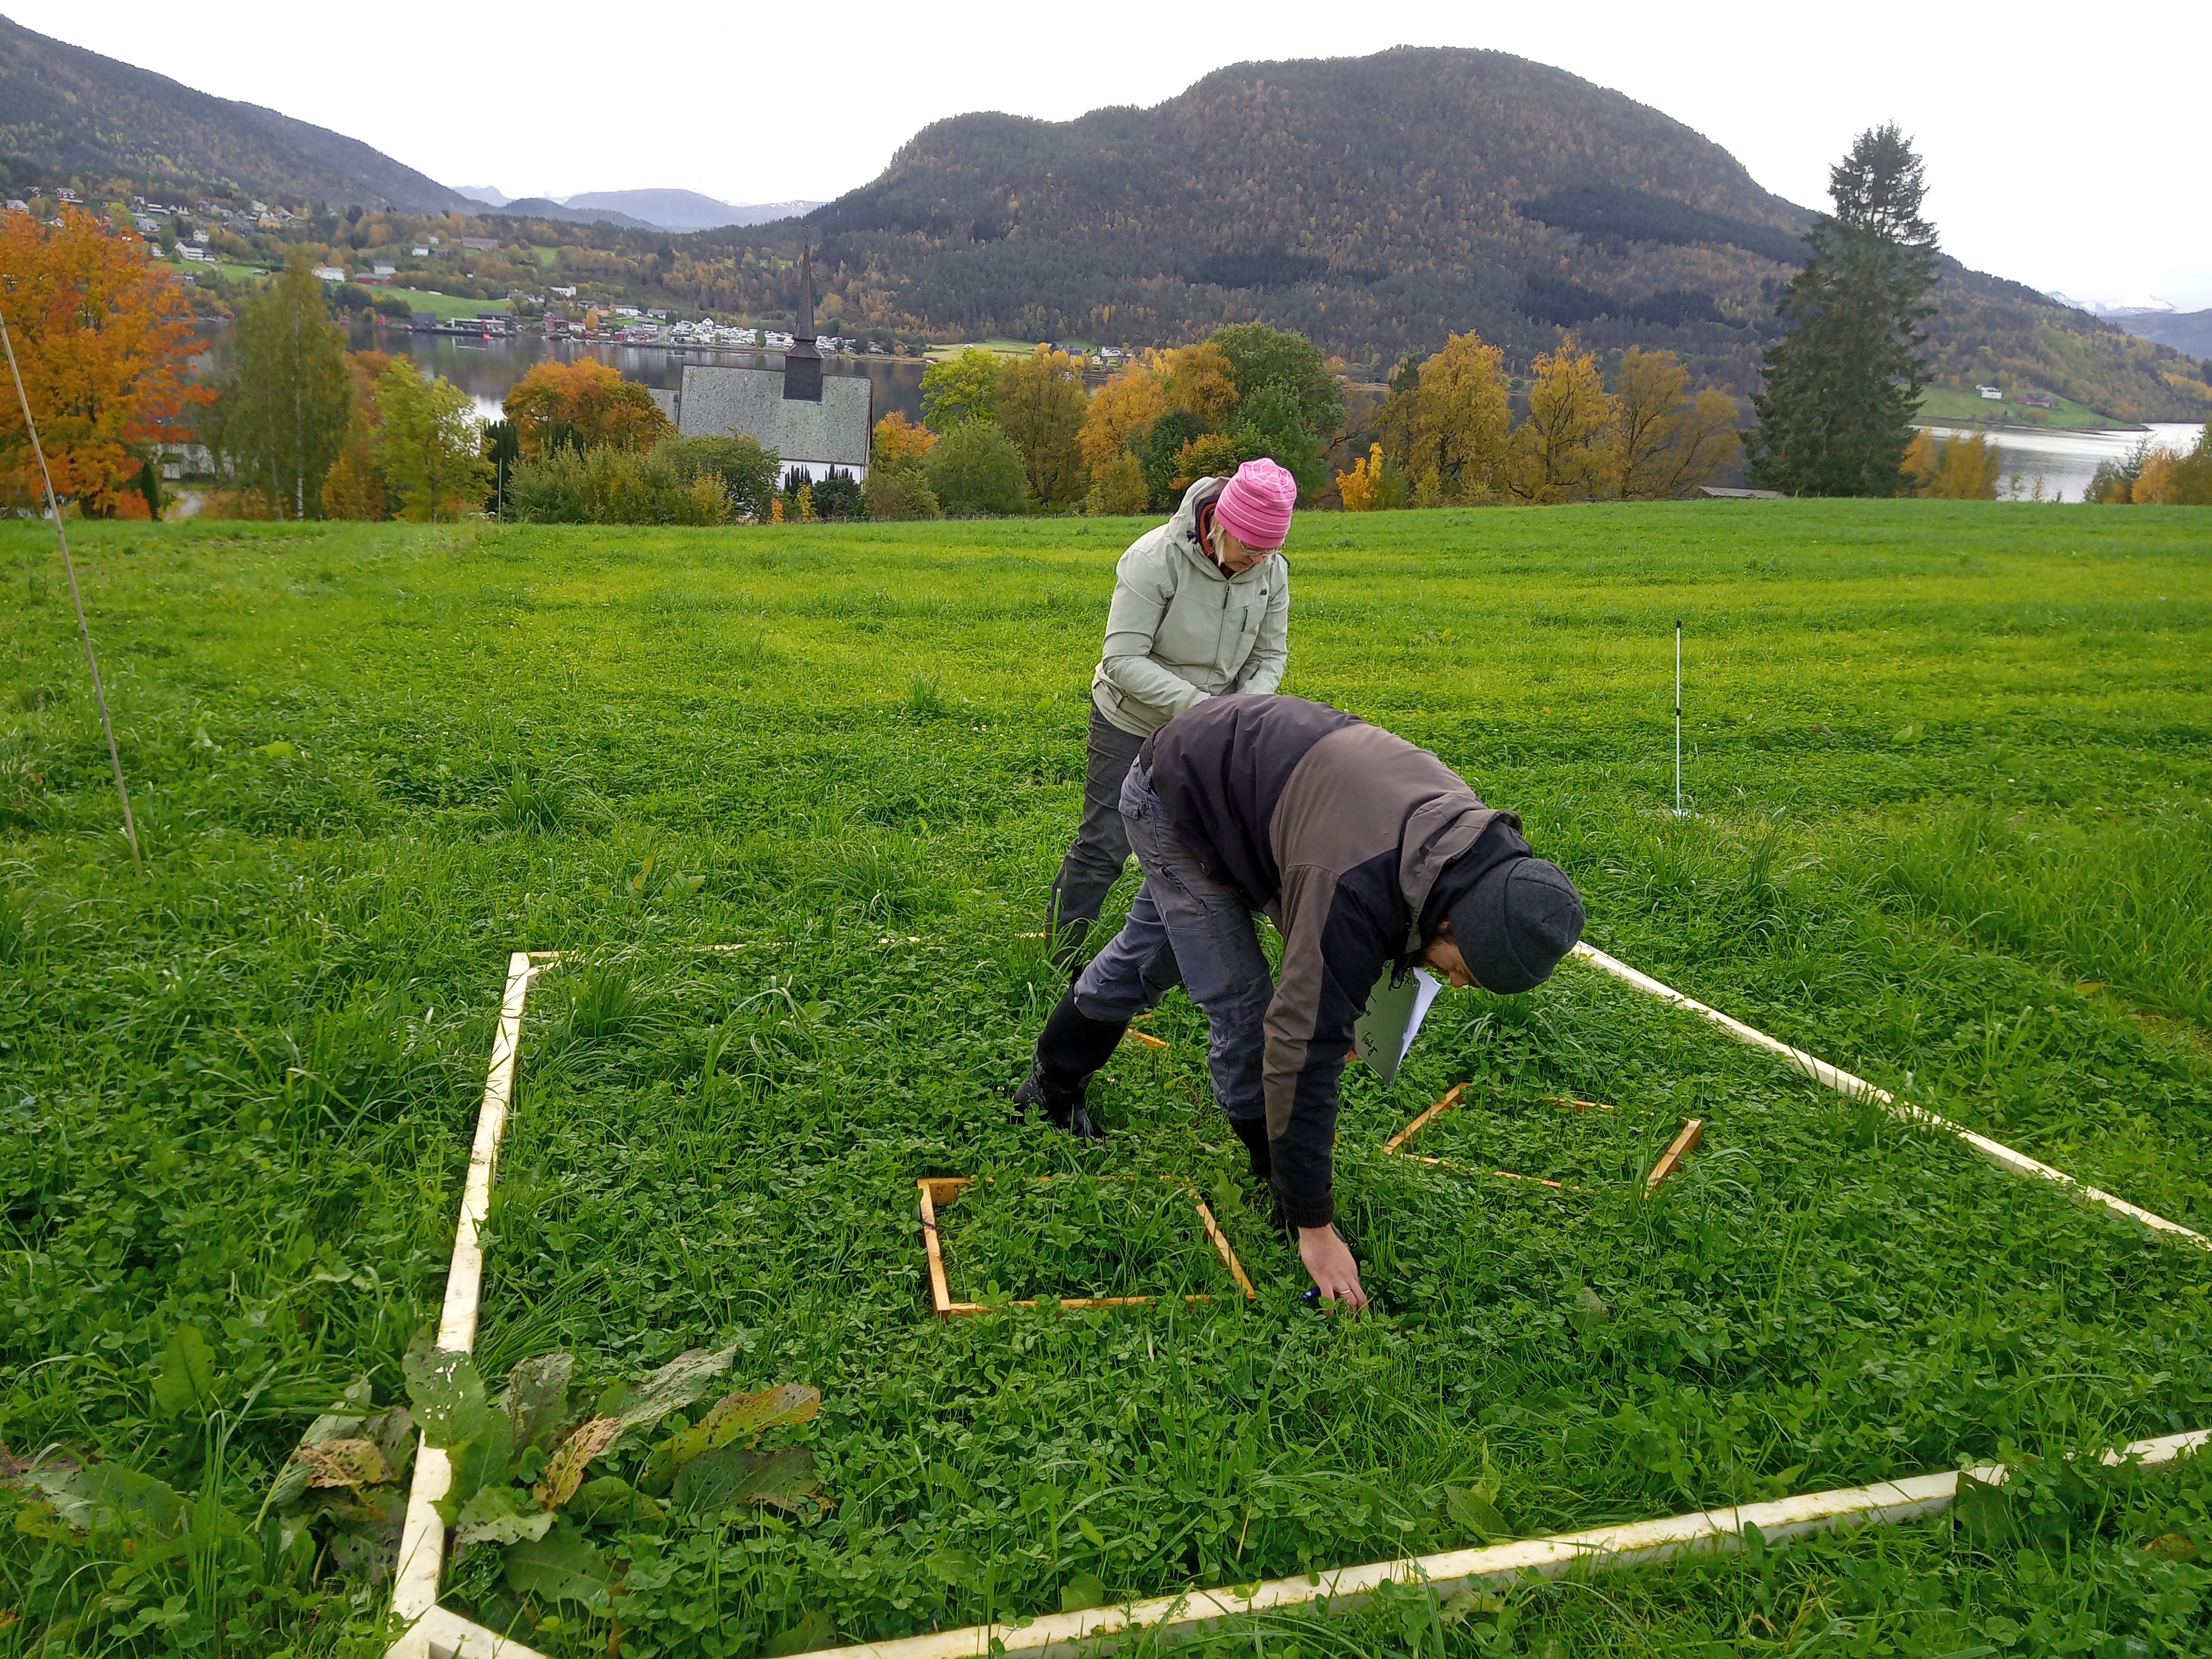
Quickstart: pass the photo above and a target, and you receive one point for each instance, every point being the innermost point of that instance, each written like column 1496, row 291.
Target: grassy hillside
column 1952, row 407
column 72, row 116
column 1950, row 775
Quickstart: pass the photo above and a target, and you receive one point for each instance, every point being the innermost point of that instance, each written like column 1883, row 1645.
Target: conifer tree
column 1835, row 414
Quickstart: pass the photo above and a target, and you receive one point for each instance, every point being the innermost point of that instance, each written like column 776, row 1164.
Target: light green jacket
column 1179, row 631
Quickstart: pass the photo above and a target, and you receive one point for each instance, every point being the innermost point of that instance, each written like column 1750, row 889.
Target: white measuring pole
column 1678, row 717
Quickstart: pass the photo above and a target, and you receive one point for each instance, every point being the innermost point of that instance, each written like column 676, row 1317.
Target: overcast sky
column 2065, row 145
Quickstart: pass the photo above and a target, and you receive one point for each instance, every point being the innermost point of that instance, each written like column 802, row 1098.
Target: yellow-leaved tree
column 898, row 440
column 1664, row 442
column 895, row 488
column 1561, row 451
column 1201, row 380
column 1122, row 411
column 1962, row 470
column 354, row 487
column 1456, row 423
column 1373, row 484
column 1041, row 405
column 1358, row 489
column 2169, row 479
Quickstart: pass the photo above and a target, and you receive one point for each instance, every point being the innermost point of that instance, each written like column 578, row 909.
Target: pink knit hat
column 1255, row 506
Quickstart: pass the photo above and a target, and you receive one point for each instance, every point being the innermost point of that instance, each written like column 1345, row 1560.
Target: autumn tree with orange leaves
column 591, row 400
column 103, row 340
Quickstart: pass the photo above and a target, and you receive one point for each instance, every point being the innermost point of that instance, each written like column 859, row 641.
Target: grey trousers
column 1186, row 928
column 1100, row 850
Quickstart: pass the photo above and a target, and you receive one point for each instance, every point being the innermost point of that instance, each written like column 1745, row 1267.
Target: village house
column 813, row 421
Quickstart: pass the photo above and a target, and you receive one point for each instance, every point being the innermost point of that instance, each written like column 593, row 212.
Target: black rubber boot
column 1071, row 1047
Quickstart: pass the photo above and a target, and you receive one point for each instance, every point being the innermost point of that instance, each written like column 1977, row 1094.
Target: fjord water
column 2066, row 461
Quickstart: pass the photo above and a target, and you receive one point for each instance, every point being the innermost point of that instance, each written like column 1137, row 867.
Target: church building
column 814, row 421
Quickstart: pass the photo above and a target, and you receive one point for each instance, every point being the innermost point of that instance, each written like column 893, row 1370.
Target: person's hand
column 1328, row 1259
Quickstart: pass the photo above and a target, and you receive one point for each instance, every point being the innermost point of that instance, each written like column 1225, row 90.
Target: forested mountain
column 2185, row 331
column 69, row 116
column 1381, row 203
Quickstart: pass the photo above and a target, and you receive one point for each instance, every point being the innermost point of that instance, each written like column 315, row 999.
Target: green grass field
column 1949, row 766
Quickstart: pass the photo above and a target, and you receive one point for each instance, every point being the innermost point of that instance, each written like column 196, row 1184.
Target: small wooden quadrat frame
column 1685, row 1142
column 942, row 1189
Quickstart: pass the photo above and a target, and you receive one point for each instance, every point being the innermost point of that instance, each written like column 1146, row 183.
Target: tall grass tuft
column 605, row 1003
column 926, row 699
column 543, row 804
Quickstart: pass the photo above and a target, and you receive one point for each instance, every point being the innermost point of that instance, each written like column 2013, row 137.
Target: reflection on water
column 2066, row 461
column 485, row 369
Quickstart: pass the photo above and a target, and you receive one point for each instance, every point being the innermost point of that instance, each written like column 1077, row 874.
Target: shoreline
column 1934, row 424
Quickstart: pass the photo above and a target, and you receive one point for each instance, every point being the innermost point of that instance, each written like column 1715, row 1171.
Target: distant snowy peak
column 2148, row 305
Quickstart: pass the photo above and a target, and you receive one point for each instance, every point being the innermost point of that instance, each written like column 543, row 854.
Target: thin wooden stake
column 1228, row 1256
column 1502, row 1174
column 84, row 628
column 1450, row 1100
column 1693, row 1132
column 940, row 1293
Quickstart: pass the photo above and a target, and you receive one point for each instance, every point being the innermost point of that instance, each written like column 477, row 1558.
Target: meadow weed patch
column 237, row 1097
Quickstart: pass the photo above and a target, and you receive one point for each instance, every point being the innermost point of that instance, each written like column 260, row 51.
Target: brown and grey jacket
column 1354, row 841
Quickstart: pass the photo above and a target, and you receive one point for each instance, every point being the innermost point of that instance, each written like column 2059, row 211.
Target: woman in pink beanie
column 1201, row 609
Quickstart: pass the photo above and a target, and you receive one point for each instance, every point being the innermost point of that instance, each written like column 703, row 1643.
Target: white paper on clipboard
column 1386, row 1031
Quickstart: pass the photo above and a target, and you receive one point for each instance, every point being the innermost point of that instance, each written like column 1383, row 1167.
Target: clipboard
column 1385, row 1032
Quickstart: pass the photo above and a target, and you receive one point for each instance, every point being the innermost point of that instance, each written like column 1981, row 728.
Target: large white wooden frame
column 436, row 1632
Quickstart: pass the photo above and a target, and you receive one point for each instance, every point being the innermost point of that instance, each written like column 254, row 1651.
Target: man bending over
column 1368, row 854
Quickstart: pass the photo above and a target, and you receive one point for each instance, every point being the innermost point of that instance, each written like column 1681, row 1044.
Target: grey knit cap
column 1514, row 925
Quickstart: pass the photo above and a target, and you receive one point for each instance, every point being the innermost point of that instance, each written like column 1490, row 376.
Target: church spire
column 802, row 363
